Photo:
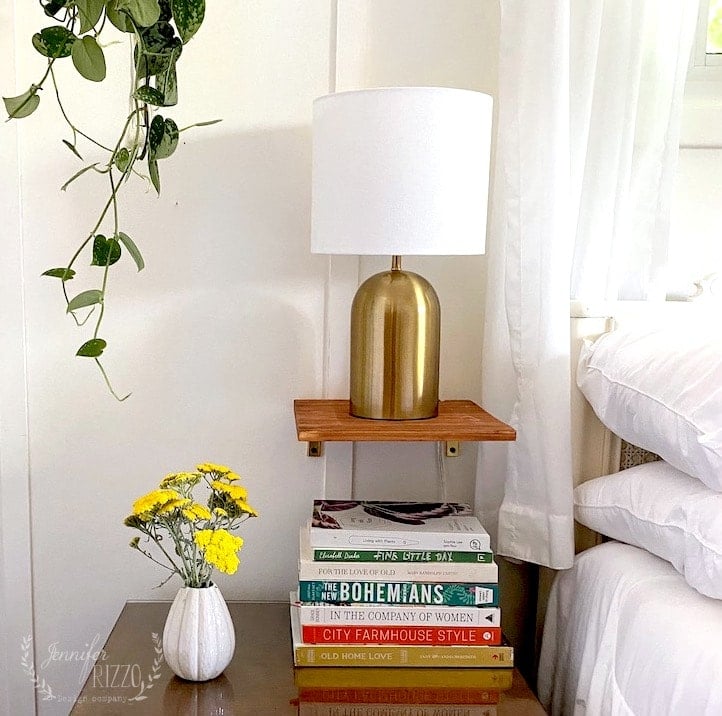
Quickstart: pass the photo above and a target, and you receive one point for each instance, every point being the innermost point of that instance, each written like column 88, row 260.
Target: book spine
column 320, row 537
column 420, row 635
column 364, row 592
column 351, row 709
column 398, row 555
column 400, row 695
column 396, row 614
column 399, row 572
column 392, row 656
column 499, row 679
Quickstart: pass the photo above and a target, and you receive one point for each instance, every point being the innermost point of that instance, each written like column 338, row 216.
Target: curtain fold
column 587, row 139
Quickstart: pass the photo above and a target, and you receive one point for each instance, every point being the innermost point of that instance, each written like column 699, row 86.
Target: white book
column 377, row 614
column 390, row 525
column 308, row 569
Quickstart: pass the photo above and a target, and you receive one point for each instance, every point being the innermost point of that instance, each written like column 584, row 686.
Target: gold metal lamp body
column 395, row 333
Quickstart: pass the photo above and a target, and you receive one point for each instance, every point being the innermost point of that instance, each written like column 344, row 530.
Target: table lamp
column 399, row 171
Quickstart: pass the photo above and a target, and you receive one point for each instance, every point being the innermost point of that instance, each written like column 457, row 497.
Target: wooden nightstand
column 259, row 680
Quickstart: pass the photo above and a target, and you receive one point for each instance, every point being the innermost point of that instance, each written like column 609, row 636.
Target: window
column 708, row 41
column 714, row 28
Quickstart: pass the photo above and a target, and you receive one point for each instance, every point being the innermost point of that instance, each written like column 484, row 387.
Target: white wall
column 231, row 320
column 16, row 625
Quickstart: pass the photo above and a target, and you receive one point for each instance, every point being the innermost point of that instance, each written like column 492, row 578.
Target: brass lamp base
column 395, row 331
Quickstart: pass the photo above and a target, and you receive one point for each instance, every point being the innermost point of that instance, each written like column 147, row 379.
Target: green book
column 366, row 592
column 399, row 555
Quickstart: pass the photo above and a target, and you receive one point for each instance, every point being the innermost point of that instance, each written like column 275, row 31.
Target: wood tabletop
column 130, row 677
column 463, row 420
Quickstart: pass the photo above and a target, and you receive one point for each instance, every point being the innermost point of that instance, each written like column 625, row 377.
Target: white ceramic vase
column 198, row 638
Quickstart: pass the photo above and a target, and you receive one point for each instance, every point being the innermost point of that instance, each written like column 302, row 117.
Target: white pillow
column 662, row 510
column 661, row 390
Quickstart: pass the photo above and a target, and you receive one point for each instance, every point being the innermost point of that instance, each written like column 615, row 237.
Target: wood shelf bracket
column 452, row 448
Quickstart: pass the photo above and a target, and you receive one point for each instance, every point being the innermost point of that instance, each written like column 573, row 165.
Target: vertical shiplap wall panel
column 17, row 693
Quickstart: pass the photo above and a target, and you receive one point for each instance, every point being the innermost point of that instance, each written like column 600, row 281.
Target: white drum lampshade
column 399, row 171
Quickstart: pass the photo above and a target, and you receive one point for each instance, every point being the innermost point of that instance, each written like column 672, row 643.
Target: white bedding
column 625, row 634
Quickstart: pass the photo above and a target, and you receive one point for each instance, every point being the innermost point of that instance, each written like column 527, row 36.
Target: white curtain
column 587, row 138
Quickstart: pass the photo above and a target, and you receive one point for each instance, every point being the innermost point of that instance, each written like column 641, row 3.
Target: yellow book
column 374, row 677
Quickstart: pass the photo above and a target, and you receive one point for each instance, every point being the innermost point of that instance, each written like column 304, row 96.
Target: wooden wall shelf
column 318, row 421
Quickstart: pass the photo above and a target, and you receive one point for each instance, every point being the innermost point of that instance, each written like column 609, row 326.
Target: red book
column 401, row 695
column 394, row 634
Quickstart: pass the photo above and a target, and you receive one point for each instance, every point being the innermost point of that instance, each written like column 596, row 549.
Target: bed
column 635, row 626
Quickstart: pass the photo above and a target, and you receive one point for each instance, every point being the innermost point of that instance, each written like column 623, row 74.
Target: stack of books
column 396, row 584
column 400, row 692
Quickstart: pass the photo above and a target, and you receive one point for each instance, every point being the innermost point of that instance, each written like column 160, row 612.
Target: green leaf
column 89, row 59
column 86, row 298
column 160, row 47
column 92, row 348
column 188, row 16
column 54, row 6
column 166, row 13
column 163, row 137
column 155, row 134
column 149, row 95
column 170, row 139
column 23, row 105
column 144, row 12
column 77, row 174
column 72, row 148
column 154, row 175
column 167, row 83
column 55, row 41
column 122, row 159
column 65, row 274
column 132, row 249
column 105, row 251
column 119, row 19
column 89, row 12
column 201, row 124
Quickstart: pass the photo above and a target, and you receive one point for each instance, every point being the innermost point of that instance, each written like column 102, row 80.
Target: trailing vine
column 158, row 31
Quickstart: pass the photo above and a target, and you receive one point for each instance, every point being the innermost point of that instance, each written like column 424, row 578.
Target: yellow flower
column 180, row 479
column 172, row 513
column 207, row 467
column 235, row 492
column 196, row 512
column 172, row 505
column 243, row 506
column 146, row 506
column 220, row 548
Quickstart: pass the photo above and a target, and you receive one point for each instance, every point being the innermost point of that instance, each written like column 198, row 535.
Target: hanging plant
column 158, row 31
